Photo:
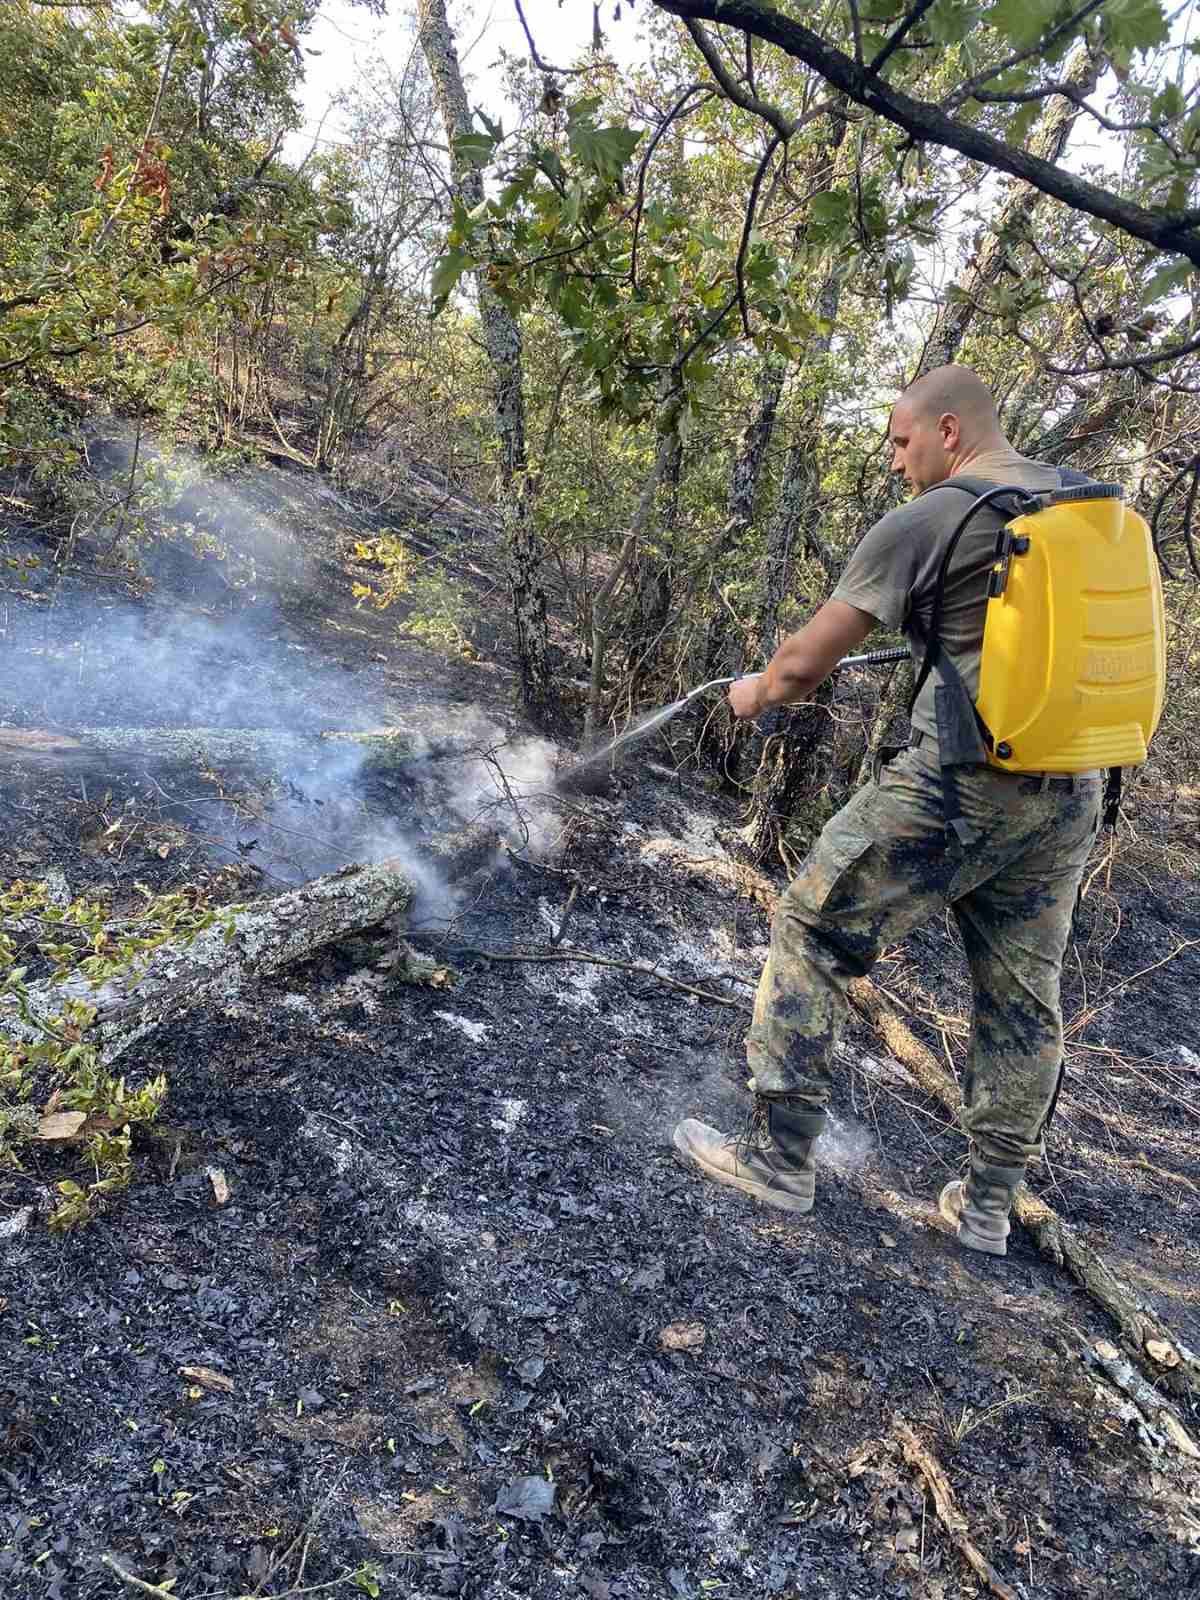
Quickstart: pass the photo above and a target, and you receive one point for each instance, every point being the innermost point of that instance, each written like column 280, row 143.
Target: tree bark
column 502, row 339
column 744, row 479
column 249, row 941
column 602, row 605
column 785, row 764
column 893, row 702
column 652, row 577
column 788, row 777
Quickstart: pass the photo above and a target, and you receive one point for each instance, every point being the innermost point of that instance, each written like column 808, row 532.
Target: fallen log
column 1145, row 1337
column 246, row 941
column 280, row 750
column 1153, row 1411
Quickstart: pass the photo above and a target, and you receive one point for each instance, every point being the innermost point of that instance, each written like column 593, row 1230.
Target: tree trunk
column 249, row 941
column 723, row 654
column 653, row 589
column 602, row 606
column 748, row 463
column 1047, row 140
column 787, row 763
column 893, row 704
column 790, row 775
column 502, row 339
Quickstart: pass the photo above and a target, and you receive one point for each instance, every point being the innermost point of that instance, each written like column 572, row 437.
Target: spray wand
column 652, row 721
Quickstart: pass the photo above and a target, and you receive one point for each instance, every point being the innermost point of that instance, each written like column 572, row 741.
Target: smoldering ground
column 456, row 1238
column 73, row 660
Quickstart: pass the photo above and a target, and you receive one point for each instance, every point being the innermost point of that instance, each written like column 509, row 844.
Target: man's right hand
column 746, row 699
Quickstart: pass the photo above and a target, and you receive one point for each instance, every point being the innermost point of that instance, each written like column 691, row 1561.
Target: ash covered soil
column 480, row 1334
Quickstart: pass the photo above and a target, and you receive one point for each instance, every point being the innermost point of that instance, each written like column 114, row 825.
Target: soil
column 480, row 1334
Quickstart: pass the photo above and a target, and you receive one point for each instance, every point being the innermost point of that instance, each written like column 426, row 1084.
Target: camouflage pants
column 883, row 865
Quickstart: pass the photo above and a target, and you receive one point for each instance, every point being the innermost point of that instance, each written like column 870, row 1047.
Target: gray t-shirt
column 893, row 572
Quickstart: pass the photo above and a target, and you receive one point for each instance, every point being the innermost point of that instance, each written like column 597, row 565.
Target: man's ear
column 949, row 429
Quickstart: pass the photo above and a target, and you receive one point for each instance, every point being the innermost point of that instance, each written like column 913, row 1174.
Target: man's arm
column 804, row 659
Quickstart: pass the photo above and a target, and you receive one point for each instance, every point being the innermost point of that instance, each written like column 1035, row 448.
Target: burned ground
column 481, row 1335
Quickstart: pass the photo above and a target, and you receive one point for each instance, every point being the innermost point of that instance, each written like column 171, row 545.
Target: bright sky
column 351, row 39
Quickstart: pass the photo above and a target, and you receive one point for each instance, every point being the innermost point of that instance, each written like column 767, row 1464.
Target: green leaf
column 1134, row 24
column 604, row 151
column 447, row 270
column 950, row 23
column 1169, row 104
column 828, row 215
column 1018, row 129
column 1166, row 280
column 495, row 129
column 475, row 149
column 1022, row 22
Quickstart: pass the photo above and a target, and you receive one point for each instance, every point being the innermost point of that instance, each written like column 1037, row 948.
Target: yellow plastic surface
column 1074, row 650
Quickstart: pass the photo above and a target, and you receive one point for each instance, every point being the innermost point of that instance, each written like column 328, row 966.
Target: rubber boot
column 770, row 1159
column 979, row 1205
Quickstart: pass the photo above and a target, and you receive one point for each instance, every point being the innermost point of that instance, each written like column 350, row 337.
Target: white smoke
column 76, row 659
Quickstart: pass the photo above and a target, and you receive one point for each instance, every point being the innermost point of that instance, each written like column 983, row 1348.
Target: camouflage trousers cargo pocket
column 834, row 858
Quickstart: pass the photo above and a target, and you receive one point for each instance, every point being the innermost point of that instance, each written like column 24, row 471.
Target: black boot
column 771, row 1158
column 979, row 1205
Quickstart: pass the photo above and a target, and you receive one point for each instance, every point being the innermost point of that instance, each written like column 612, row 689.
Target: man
column 888, row 860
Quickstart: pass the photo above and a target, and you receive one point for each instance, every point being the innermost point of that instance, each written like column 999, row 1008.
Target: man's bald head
column 959, row 391
column 943, row 419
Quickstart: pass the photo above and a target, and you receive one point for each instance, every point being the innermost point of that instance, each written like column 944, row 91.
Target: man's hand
column 745, row 696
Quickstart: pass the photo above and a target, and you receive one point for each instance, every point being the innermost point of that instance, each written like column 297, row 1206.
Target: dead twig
column 556, row 936
column 1155, row 1413
column 640, row 967
column 134, row 1582
column 950, row 1517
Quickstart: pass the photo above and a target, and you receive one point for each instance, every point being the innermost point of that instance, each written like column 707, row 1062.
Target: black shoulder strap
column 983, row 493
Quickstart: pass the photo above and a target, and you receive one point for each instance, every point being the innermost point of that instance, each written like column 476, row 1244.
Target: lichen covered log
column 245, row 942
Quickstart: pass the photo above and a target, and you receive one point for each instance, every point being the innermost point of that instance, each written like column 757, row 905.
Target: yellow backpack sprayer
column 1073, row 668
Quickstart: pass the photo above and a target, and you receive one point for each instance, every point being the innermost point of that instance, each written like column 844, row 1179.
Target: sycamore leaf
column 1022, row 22
column 1018, row 129
column 1134, row 24
column 829, row 215
column 474, row 148
column 604, row 150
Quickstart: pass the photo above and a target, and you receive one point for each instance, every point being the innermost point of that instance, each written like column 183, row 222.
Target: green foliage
column 140, row 200
column 56, row 1090
column 436, row 610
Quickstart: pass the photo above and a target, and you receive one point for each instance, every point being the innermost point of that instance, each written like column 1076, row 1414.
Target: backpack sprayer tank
column 1074, row 646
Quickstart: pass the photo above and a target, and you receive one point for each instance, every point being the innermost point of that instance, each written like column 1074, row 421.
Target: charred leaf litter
column 465, row 1327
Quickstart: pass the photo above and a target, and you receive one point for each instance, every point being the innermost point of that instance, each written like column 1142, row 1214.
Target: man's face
column 922, row 446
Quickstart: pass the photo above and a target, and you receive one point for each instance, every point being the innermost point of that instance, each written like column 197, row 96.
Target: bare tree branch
column 924, row 121
column 893, row 44
column 739, row 269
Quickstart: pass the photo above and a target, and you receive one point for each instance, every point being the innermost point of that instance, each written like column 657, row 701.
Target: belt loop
column 1045, row 783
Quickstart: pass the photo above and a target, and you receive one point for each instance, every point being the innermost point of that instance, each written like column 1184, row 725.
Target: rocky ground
column 463, row 1326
